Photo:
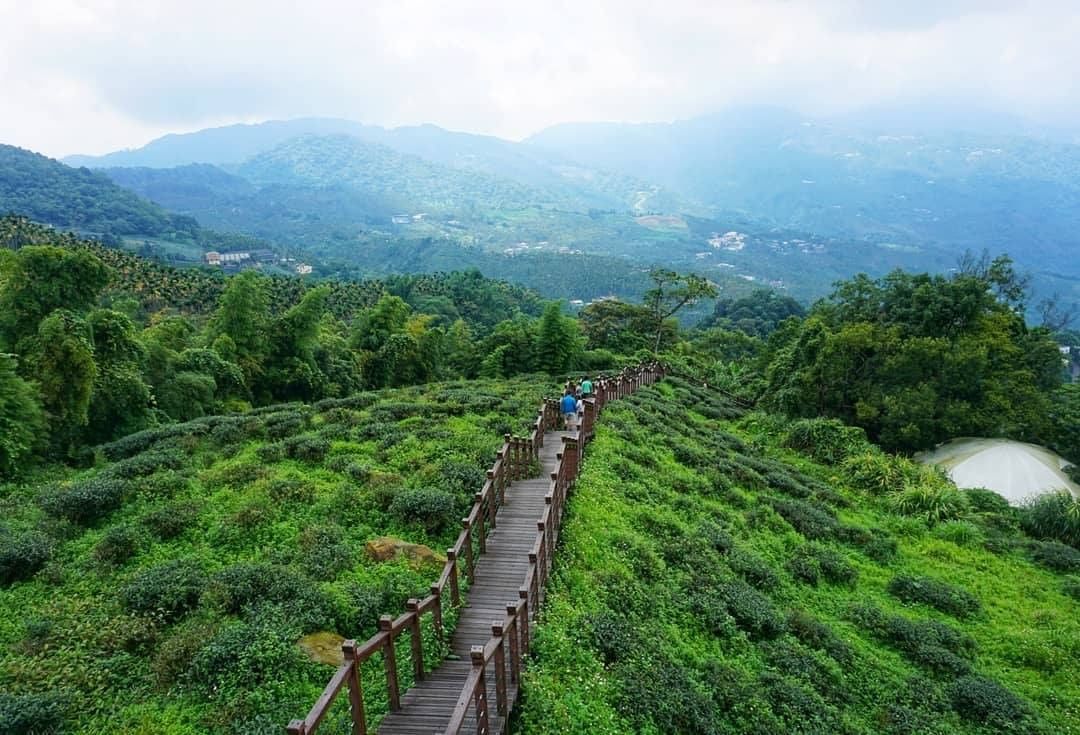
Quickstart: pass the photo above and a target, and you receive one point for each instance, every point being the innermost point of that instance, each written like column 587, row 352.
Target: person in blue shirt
column 568, row 406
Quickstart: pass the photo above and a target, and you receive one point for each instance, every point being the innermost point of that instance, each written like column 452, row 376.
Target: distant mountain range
column 754, row 195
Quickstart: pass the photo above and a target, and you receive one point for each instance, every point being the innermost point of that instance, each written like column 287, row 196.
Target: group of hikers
column 572, row 404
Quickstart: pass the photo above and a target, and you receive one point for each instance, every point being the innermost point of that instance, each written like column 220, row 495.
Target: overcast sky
column 97, row 75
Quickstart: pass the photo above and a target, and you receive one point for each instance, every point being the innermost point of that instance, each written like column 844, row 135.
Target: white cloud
column 93, row 76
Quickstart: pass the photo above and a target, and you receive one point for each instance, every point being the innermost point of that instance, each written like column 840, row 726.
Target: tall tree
column 21, row 421
column 240, row 324
column 671, row 292
column 62, row 354
column 41, row 279
column 558, row 341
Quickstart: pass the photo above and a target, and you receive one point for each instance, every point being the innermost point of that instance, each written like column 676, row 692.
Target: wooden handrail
column 510, row 637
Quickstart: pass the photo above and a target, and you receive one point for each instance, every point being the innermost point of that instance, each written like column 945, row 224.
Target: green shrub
column 433, row 509
column 983, row 700
column 798, row 706
column 366, row 604
column 169, row 521
column 939, row 595
column 307, row 448
column 272, row 452
column 1054, row 516
column 875, row 472
column 813, row 561
column 816, row 634
column 290, row 490
column 173, row 656
column 140, row 441
column 961, row 533
column 147, row 463
column 812, row 521
column 985, row 501
column 753, row 569
column 22, row 555
column 882, row 548
column 40, row 713
column 85, row 501
column 249, row 587
column 163, row 485
column 751, row 610
column 167, row 591
column 826, row 440
column 933, row 503
column 242, row 656
column 662, row 696
column 1071, row 588
column 119, row 544
column 715, row 537
column 326, row 552
column 612, row 636
column 1056, row 556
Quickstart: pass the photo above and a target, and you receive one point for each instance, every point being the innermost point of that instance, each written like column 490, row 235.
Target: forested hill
column 48, row 191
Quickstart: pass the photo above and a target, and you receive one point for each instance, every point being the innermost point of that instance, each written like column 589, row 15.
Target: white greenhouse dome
column 1015, row 470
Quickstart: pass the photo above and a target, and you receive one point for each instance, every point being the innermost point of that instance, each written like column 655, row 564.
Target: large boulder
column 386, row 548
column 323, row 647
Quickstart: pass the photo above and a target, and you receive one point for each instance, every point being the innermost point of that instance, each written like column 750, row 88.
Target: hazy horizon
column 93, row 77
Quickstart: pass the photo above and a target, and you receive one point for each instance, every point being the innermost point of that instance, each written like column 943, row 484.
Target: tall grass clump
column 1054, row 516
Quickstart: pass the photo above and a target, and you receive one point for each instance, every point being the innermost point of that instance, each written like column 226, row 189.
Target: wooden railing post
column 436, row 612
column 416, row 642
column 480, row 695
column 500, row 668
column 523, row 593
column 515, row 640
column 468, row 549
column 455, row 593
column 386, row 625
column 296, row 727
column 356, row 694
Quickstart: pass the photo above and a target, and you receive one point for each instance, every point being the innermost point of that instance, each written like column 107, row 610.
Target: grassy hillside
column 713, row 580
column 164, row 590
column 49, row 191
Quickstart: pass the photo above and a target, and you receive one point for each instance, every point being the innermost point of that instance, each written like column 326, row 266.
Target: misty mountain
column 50, row 192
column 224, row 145
column 949, row 190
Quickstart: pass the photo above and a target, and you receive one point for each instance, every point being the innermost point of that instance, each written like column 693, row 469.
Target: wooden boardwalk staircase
column 505, row 551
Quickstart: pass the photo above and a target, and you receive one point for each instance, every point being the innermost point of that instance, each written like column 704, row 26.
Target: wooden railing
column 509, row 640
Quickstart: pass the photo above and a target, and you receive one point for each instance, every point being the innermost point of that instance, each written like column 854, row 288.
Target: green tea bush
column 612, row 636
column 285, row 423
column 170, row 520
column 752, row 611
column 242, row 656
column 798, row 706
column 307, row 448
column 40, row 713
column 813, row 561
column 1056, row 556
column 459, row 477
column 147, row 463
column 22, row 555
column 715, row 537
column 172, row 657
column 982, row 700
column 228, row 433
column 248, row 587
column 826, row 440
column 1071, row 588
column 119, row 544
column 755, row 570
column 167, row 591
column 882, row 548
column 1054, row 516
column 365, row 605
column 435, row 510
column 271, row 452
column 933, row 503
column 947, row 598
column 815, row 634
column 140, row 441
column 290, row 490
column 163, row 485
column 811, row 520
column 985, row 501
column 325, row 551
column 85, row 501
column 662, row 696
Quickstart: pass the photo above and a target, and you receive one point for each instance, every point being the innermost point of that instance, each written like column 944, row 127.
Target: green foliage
column 945, row 597
column 22, row 555
column 1053, row 516
column 167, row 591
column 1056, row 556
column 916, row 360
column 934, row 503
column 40, row 713
column 119, row 544
column 985, row 701
column 433, row 509
column 21, row 420
column 758, row 314
column 826, row 440
column 84, row 501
